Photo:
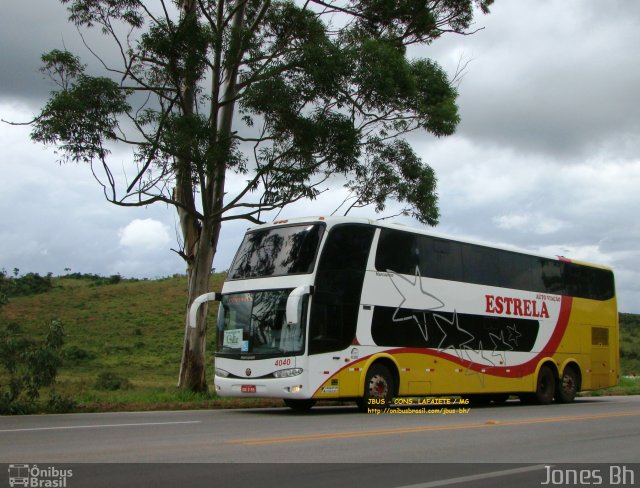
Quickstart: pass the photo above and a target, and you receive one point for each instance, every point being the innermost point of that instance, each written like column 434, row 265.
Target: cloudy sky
column 546, row 158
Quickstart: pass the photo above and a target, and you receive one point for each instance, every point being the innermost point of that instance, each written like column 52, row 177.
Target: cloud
column 546, row 157
column 144, row 235
column 528, row 222
column 550, row 77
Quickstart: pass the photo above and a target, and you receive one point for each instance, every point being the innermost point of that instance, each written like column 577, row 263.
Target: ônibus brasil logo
column 38, row 477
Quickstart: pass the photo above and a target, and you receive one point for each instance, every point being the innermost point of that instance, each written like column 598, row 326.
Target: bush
column 29, row 366
column 75, row 354
column 115, row 279
column 111, row 381
column 29, row 284
column 97, row 280
column 59, row 404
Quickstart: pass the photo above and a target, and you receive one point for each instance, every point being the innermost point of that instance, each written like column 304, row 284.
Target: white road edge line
column 475, row 477
column 100, row 426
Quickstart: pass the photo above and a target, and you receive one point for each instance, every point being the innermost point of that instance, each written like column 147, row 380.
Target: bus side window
column 480, row 265
column 398, row 252
column 440, row 259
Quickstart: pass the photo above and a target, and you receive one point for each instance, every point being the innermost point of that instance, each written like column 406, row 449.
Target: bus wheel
column 378, row 388
column 299, row 405
column 567, row 387
column 545, row 387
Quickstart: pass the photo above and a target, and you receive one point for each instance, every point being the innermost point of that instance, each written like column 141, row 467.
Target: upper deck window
column 409, row 253
column 277, row 251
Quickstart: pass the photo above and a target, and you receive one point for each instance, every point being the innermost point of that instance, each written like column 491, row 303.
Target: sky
column 546, row 157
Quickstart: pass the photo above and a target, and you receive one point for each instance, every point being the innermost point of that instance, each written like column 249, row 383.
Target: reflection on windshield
column 277, row 251
column 255, row 323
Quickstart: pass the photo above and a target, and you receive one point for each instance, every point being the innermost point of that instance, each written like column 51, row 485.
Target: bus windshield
column 255, row 324
column 277, row 251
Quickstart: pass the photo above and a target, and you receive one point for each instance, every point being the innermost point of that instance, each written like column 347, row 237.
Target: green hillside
column 124, row 338
column 630, row 344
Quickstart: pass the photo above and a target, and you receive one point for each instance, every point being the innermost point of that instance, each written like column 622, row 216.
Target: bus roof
column 335, row 220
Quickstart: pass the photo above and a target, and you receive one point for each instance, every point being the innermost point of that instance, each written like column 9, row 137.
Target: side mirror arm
column 193, row 310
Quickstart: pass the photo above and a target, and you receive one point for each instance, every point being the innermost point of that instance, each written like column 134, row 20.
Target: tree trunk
column 198, row 250
column 193, row 365
column 201, row 242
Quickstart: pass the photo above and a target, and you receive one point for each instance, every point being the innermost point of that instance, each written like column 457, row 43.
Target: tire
column 568, row 386
column 378, row 389
column 545, row 386
column 299, row 405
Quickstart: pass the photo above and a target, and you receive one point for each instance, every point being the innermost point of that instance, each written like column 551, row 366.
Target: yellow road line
column 427, row 428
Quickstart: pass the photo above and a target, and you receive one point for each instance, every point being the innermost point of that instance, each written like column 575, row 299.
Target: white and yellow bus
column 349, row 309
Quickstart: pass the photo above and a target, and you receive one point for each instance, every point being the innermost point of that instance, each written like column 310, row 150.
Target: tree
column 288, row 95
column 28, row 366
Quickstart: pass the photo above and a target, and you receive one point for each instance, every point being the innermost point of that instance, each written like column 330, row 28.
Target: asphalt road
column 332, row 446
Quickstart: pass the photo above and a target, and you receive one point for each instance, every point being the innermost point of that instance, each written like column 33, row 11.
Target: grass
column 629, row 385
column 132, row 332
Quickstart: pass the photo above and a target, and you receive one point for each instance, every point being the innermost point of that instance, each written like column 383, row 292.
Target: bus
column 337, row 308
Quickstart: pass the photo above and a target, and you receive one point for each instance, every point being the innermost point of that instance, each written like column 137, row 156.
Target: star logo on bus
column 407, row 287
column 513, row 334
column 500, row 347
column 468, row 371
column 483, row 355
column 461, row 349
column 453, row 325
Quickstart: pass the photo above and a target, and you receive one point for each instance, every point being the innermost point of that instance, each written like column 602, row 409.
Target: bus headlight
column 222, row 373
column 287, row 373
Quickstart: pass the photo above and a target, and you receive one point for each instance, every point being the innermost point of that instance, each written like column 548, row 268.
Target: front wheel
column 378, row 389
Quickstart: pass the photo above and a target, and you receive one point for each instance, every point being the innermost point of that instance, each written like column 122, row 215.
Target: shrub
column 29, row 284
column 59, row 404
column 75, row 354
column 29, row 364
column 111, row 381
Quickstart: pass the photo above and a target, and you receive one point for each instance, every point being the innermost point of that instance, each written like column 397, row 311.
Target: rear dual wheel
column 568, row 386
column 545, row 388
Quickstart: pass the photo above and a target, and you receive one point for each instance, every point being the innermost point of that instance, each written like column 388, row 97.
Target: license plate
column 248, row 388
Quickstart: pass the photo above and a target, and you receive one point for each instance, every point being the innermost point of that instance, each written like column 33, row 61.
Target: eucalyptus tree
column 285, row 97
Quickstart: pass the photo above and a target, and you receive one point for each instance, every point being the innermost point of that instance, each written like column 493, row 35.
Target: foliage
column 77, row 355
column 630, row 321
column 108, row 380
column 630, row 343
column 290, row 97
column 29, row 284
column 315, row 102
column 626, row 386
column 29, row 365
column 97, row 280
column 130, row 329
column 60, row 404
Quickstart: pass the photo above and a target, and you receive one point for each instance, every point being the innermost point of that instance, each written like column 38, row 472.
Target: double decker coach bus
column 349, row 309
